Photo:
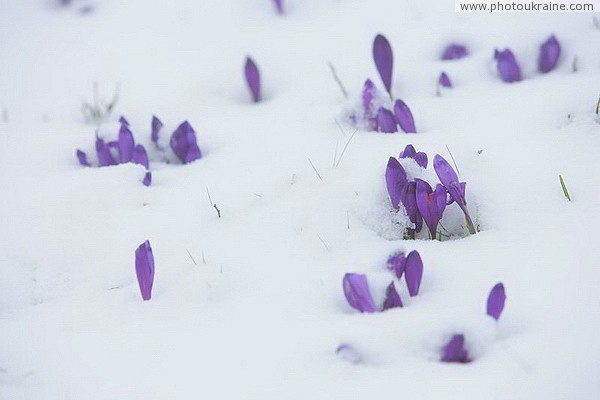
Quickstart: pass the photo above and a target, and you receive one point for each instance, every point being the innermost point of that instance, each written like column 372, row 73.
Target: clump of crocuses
column 144, row 269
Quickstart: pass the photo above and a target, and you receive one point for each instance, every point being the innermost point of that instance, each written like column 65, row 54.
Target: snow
column 257, row 311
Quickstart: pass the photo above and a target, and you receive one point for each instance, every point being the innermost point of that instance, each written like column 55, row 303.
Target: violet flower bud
column 183, row 143
column 397, row 263
column 410, row 152
column 384, row 61
column 392, row 298
column 156, row 127
column 140, row 156
column 386, row 122
column 82, row 157
column 144, row 268
column 253, row 79
column 147, row 179
column 404, row 117
column 495, row 301
column 125, row 144
column 395, row 179
column 549, row 55
column 369, row 94
column 409, row 200
column 508, row 68
column 105, row 157
column 454, row 52
column 431, row 204
column 356, row 290
column 444, row 80
column 454, row 351
column 413, row 273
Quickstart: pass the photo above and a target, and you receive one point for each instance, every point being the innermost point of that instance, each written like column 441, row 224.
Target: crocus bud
column 82, row 157
column 454, row 52
column 508, row 68
column 404, row 117
column 413, row 273
column 395, row 179
column 549, row 55
column 410, row 152
column 144, row 268
column 409, row 201
column 183, row 143
column 397, row 263
column 125, row 144
column 444, row 80
column 356, row 290
column 140, row 156
column 392, row 298
column 431, row 204
column 369, row 94
column 495, row 301
column 386, row 122
column 156, row 127
column 454, row 351
column 384, row 61
column 147, row 179
column 105, row 158
column 252, row 79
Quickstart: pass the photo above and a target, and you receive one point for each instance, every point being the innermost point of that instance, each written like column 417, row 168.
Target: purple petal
column 431, row 204
column 414, row 272
column 105, row 158
column 147, row 179
column 140, row 156
column 404, row 117
column 126, row 144
column 421, row 159
column 408, row 152
column 409, row 200
column 508, row 68
column 392, row 298
column 549, row 55
column 144, row 268
column 369, row 94
column 82, row 157
column 384, row 60
column 123, row 120
column 252, row 79
column 395, row 179
column 454, row 351
column 279, row 6
column 495, row 301
column 356, row 290
column 444, row 80
column 183, row 143
column 156, row 127
column 386, row 122
column 454, row 52
column 397, row 263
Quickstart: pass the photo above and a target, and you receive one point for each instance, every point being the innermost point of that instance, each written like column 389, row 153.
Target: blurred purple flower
column 144, row 268
column 392, row 298
column 454, row 351
column 140, row 156
column 105, row 157
column 431, row 204
column 414, row 272
column 410, row 152
column 549, row 55
column 252, row 79
column 397, row 263
column 279, row 6
column 444, row 80
column 356, row 290
column 125, row 144
column 454, row 52
column 384, row 61
column 156, row 127
column 147, row 179
column 404, row 117
column 369, row 94
column 395, row 179
column 409, row 200
column 183, row 143
column 386, row 122
column 495, row 301
column 82, row 157
column 508, row 68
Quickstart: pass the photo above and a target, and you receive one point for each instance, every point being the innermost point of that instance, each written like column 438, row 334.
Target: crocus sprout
column 449, row 179
column 404, row 117
column 369, row 94
column 431, row 204
column 508, row 68
column 147, row 179
column 414, row 272
column 495, row 301
column 279, row 6
column 549, row 55
column 356, row 290
column 395, row 178
column 386, row 122
column 454, row 351
column 384, row 61
column 140, row 156
column 82, row 157
column 410, row 152
column 183, row 143
column 253, row 79
column 454, row 52
column 144, row 268
column 392, row 298
column 444, row 80
column 397, row 263
column 156, row 126
column 105, row 158
column 125, row 144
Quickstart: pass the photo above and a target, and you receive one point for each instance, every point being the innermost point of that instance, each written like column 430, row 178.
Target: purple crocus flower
column 409, row 200
column 549, row 55
column 454, row 52
column 126, row 144
column 444, row 80
column 395, row 179
column 449, row 179
column 404, row 117
column 140, row 156
column 495, row 301
column 454, row 351
column 386, row 122
column 508, row 68
column 413, row 273
column 183, row 143
column 397, row 263
column 252, row 79
column 144, row 268
column 156, row 127
column 384, row 60
column 147, row 179
column 82, row 157
column 105, row 157
column 392, row 298
column 356, row 290
column 410, row 152
column 369, row 94
column 279, row 6
column 431, row 204
column 123, row 120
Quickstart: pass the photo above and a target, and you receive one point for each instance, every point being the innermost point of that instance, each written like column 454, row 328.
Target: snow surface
column 261, row 314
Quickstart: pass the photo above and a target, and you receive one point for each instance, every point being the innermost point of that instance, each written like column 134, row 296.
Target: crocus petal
column 105, row 158
column 392, row 298
column 123, row 120
column 140, row 156
column 397, row 263
column 408, row 152
column 454, row 351
column 508, row 68
column 444, row 80
column 386, row 122
column 144, row 268
column 126, row 144
column 454, row 52
column 409, row 201
column 82, row 157
column 384, row 60
column 421, row 159
column 549, row 55
column 156, row 127
column 431, row 204
column 183, row 143
column 495, row 301
column 404, row 117
column 252, row 79
column 356, row 290
column 147, row 179
column 395, row 179
column 414, row 272
column 369, row 94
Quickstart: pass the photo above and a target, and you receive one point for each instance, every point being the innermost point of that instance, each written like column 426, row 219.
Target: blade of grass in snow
column 564, row 187
column 337, row 80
